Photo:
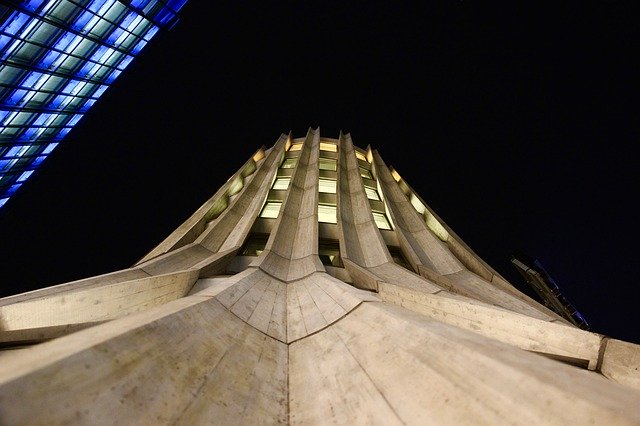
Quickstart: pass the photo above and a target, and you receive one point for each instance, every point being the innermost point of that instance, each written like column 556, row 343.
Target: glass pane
column 289, row 163
column 327, row 185
column 295, row 147
column 328, row 164
column 271, row 210
column 381, row 220
column 328, row 147
column 281, row 183
column 327, row 214
column 361, row 156
column 372, row 194
column 365, row 173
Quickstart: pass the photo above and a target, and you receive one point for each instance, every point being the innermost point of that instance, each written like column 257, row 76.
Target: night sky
column 517, row 126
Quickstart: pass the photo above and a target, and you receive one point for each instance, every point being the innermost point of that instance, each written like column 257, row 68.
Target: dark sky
column 518, row 126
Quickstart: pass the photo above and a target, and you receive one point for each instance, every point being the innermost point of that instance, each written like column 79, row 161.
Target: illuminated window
column 415, row 202
column 327, row 214
column 271, row 210
column 281, row 183
column 361, row 156
column 296, row 147
column 381, row 220
column 365, row 173
column 288, row 163
column 372, row 194
column 328, row 164
column 327, row 185
column 328, row 147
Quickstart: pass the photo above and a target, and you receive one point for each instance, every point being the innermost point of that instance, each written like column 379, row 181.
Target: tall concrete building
column 315, row 286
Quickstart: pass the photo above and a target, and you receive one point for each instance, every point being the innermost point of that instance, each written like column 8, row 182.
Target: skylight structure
column 57, row 57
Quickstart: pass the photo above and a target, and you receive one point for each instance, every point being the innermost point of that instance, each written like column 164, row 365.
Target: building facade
column 315, row 286
column 57, row 57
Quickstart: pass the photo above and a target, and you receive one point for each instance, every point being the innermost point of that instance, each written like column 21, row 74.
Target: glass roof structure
column 57, row 57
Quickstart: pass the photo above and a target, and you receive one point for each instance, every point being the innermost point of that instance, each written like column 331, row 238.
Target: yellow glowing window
column 328, row 164
column 271, row 210
column 327, row 185
column 381, row 220
column 365, row 173
column 289, row 163
column 361, row 156
column 296, row 147
column 415, row 202
column 328, row 147
column 281, row 183
column 327, row 214
column 372, row 194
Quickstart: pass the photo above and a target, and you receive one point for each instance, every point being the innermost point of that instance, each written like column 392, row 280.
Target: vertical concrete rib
column 230, row 229
column 196, row 224
column 292, row 249
column 428, row 251
column 360, row 239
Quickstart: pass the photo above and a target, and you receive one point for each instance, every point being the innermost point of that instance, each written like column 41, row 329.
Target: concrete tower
column 314, row 287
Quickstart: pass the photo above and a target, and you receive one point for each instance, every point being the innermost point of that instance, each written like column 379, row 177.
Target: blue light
column 3, row 201
column 100, row 91
column 42, row 119
column 24, row 176
column 32, row 5
column 176, row 4
column 82, row 20
column 126, row 61
column 75, row 120
column 140, row 4
column 16, row 22
column 4, row 40
column 39, row 160
column 87, row 105
column 50, row 148
column 12, row 190
column 150, row 33
column 16, row 97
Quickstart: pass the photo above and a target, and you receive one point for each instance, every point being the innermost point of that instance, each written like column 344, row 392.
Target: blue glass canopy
column 57, row 57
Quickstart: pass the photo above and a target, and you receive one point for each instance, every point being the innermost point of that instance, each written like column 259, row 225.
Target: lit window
column 289, row 163
column 417, row 204
column 372, row 194
column 328, row 147
column 329, row 253
column 361, row 156
column 281, row 183
column 24, row 176
column 381, row 220
column 327, row 214
column 328, row 164
column 365, row 173
column 327, row 185
column 271, row 210
column 296, row 147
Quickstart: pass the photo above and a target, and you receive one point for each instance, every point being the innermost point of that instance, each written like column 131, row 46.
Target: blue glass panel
column 3, row 114
column 126, row 61
column 13, row 151
column 4, row 40
column 74, row 120
column 24, row 176
column 150, row 33
column 3, row 201
column 13, row 188
column 82, row 19
column 32, row 4
column 138, row 47
column 139, row 3
column 164, row 16
column 96, row 5
column 112, row 77
column 31, row 133
column 115, row 34
column 31, row 79
column 100, row 91
column 42, row 118
column 50, row 148
column 49, row 59
column 72, row 87
column 4, row 164
column 87, row 105
column 16, row 22
column 176, row 4
column 39, row 160
column 16, row 97
column 63, row 132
